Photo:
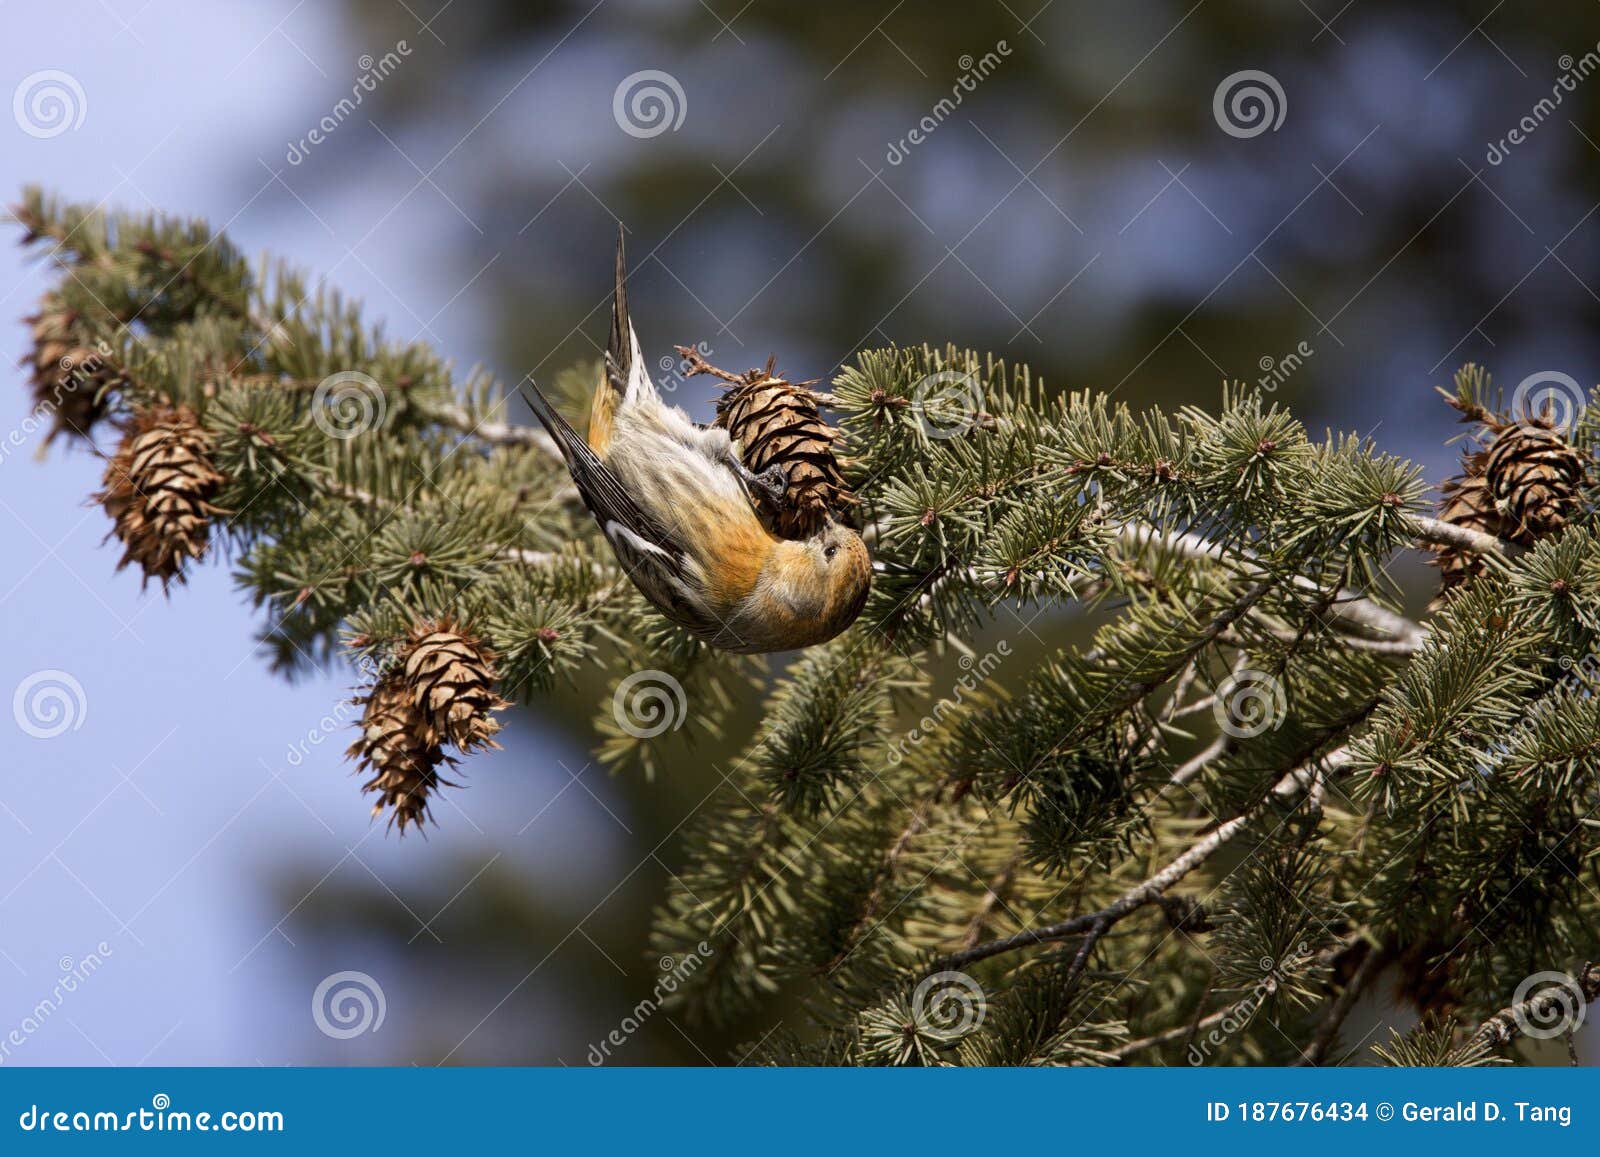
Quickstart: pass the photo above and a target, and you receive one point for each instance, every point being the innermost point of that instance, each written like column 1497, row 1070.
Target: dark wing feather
column 603, row 493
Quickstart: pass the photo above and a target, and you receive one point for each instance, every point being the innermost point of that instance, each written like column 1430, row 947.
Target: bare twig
column 1219, row 747
column 1511, row 1022
column 1307, row 775
column 699, row 365
column 1183, row 1031
column 1092, row 925
column 1443, row 533
column 1401, row 647
column 497, row 433
column 1180, row 689
column 1358, row 611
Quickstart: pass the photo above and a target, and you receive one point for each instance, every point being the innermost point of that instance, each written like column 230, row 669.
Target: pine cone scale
column 404, row 764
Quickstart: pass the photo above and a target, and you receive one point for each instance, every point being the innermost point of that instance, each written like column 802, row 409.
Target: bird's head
column 808, row 591
column 845, row 570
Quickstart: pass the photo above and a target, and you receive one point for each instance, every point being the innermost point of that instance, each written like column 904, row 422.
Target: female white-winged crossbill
column 673, row 499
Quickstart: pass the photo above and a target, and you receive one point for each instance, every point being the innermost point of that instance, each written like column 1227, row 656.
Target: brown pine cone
column 1535, row 477
column 159, row 486
column 441, row 690
column 1467, row 502
column 68, row 380
column 1526, row 484
column 777, row 423
column 452, row 680
column 405, row 766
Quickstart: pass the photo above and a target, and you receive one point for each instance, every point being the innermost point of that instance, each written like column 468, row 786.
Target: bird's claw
column 774, row 481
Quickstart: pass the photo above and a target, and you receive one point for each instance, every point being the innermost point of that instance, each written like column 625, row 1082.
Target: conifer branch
column 1511, row 1022
column 369, row 501
column 495, row 433
column 1359, row 611
column 1093, row 925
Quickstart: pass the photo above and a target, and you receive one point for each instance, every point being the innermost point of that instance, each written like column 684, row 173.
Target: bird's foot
column 772, row 482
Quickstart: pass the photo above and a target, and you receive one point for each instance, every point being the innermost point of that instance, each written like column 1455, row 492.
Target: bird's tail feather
column 625, row 368
column 619, row 353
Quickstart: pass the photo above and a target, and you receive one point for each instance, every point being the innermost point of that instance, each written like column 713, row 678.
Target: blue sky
column 152, row 823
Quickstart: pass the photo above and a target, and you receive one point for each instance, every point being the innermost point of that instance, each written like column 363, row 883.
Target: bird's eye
column 830, row 552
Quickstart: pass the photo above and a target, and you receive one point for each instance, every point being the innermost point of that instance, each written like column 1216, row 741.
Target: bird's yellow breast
column 741, row 546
